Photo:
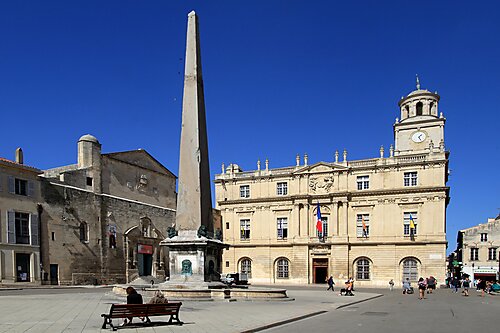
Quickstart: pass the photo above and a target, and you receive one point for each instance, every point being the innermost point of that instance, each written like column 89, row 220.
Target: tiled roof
column 23, row 166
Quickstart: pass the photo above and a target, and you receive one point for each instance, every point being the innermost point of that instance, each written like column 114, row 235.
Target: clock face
column 418, row 137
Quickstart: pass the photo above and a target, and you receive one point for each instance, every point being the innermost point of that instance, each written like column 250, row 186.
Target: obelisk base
column 194, row 259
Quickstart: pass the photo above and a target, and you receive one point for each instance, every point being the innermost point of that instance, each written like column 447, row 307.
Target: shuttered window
column 22, row 228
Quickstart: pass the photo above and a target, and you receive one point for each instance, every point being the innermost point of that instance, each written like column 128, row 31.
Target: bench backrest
column 135, row 310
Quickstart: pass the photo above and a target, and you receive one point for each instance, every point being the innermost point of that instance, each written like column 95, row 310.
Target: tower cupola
column 419, row 103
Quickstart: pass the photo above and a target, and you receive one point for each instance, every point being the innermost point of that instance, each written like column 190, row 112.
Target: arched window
column 406, row 112
column 420, row 108
column 410, row 269
column 84, row 232
column 282, row 268
column 363, row 269
column 246, row 267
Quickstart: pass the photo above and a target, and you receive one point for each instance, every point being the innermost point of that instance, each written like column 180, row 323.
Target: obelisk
column 194, row 202
column 195, row 255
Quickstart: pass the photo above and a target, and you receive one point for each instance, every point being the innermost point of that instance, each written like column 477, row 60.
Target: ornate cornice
column 342, row 195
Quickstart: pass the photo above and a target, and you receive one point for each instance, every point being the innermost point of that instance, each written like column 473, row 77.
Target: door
column 54, row 274
column 320, row 270
column 145, row 264
column 23, row 267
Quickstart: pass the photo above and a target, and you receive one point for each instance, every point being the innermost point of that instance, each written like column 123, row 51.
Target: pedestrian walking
column 466, row 285
column 331, row 283
column 481, row 285
column 407, row 289
column 456, row 284
column 431, row 284
column 421, row 288
column 391, row 285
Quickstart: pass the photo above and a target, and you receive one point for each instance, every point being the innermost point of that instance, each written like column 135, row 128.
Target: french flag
column 319, row 223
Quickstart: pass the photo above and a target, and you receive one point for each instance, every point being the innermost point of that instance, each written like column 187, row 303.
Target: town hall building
column 382, row 218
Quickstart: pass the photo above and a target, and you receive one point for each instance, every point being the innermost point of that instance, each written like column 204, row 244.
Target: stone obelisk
column 194, row 203
column 195, row 255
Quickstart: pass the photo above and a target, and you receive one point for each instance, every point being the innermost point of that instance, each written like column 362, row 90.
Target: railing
column 361, row 163
column 411, row 159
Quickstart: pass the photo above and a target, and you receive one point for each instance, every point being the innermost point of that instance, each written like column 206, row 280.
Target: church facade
column 103, row 218
column 382, row 218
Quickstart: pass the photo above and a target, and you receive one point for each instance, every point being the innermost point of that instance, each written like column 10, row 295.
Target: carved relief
column 324, row 183
column 143, row 183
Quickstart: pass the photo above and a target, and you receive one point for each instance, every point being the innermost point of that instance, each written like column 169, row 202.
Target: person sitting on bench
column 133, row 297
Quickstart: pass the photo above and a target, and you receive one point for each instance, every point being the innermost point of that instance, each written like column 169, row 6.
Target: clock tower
column 420, row 128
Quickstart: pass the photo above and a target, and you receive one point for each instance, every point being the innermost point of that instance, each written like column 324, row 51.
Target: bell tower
column 420, row 129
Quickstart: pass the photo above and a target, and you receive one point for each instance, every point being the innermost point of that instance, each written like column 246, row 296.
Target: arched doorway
column 144, row 256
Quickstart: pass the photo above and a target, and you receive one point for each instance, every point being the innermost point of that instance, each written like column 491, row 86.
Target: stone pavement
column 79, row 310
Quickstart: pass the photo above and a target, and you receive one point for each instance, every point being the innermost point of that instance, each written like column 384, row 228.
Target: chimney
column 19, row 156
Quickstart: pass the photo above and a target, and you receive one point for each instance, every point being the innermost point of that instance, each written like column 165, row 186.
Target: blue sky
column 281, row 78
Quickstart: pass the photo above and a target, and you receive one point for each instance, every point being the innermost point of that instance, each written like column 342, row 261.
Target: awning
column 485, row 275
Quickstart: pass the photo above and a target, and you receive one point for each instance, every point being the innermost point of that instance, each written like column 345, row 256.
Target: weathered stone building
column 477, row 250
column 19, row 227
column 104, row 217
column 381, row 218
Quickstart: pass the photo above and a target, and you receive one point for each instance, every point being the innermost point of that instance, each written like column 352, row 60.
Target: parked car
column 235, row 278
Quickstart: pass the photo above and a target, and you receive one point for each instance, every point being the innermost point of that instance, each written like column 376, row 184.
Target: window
column 89, row 181
column 22, row 221
column 227, row 263
column 282, row 269
column 246, row 267
column 282, row 188
column 324, row 232
column 245, row 191
column 53, row 236
column 363, row 269
column 474, row 253
column 363, row 182
column 363, row 225
column 410, row 228
column 21, row 187
column 282, row 224
column 227, row 225
column 492, row 253
column 484, row 237
column 245, row 229
column 84, row 232
column 410, row 178
column 410, row 270
column 420, row 107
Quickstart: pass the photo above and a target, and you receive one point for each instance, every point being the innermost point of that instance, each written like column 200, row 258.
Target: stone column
column 308, row 229
column 296, row 219
column 134, row 262
column 345, row 216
